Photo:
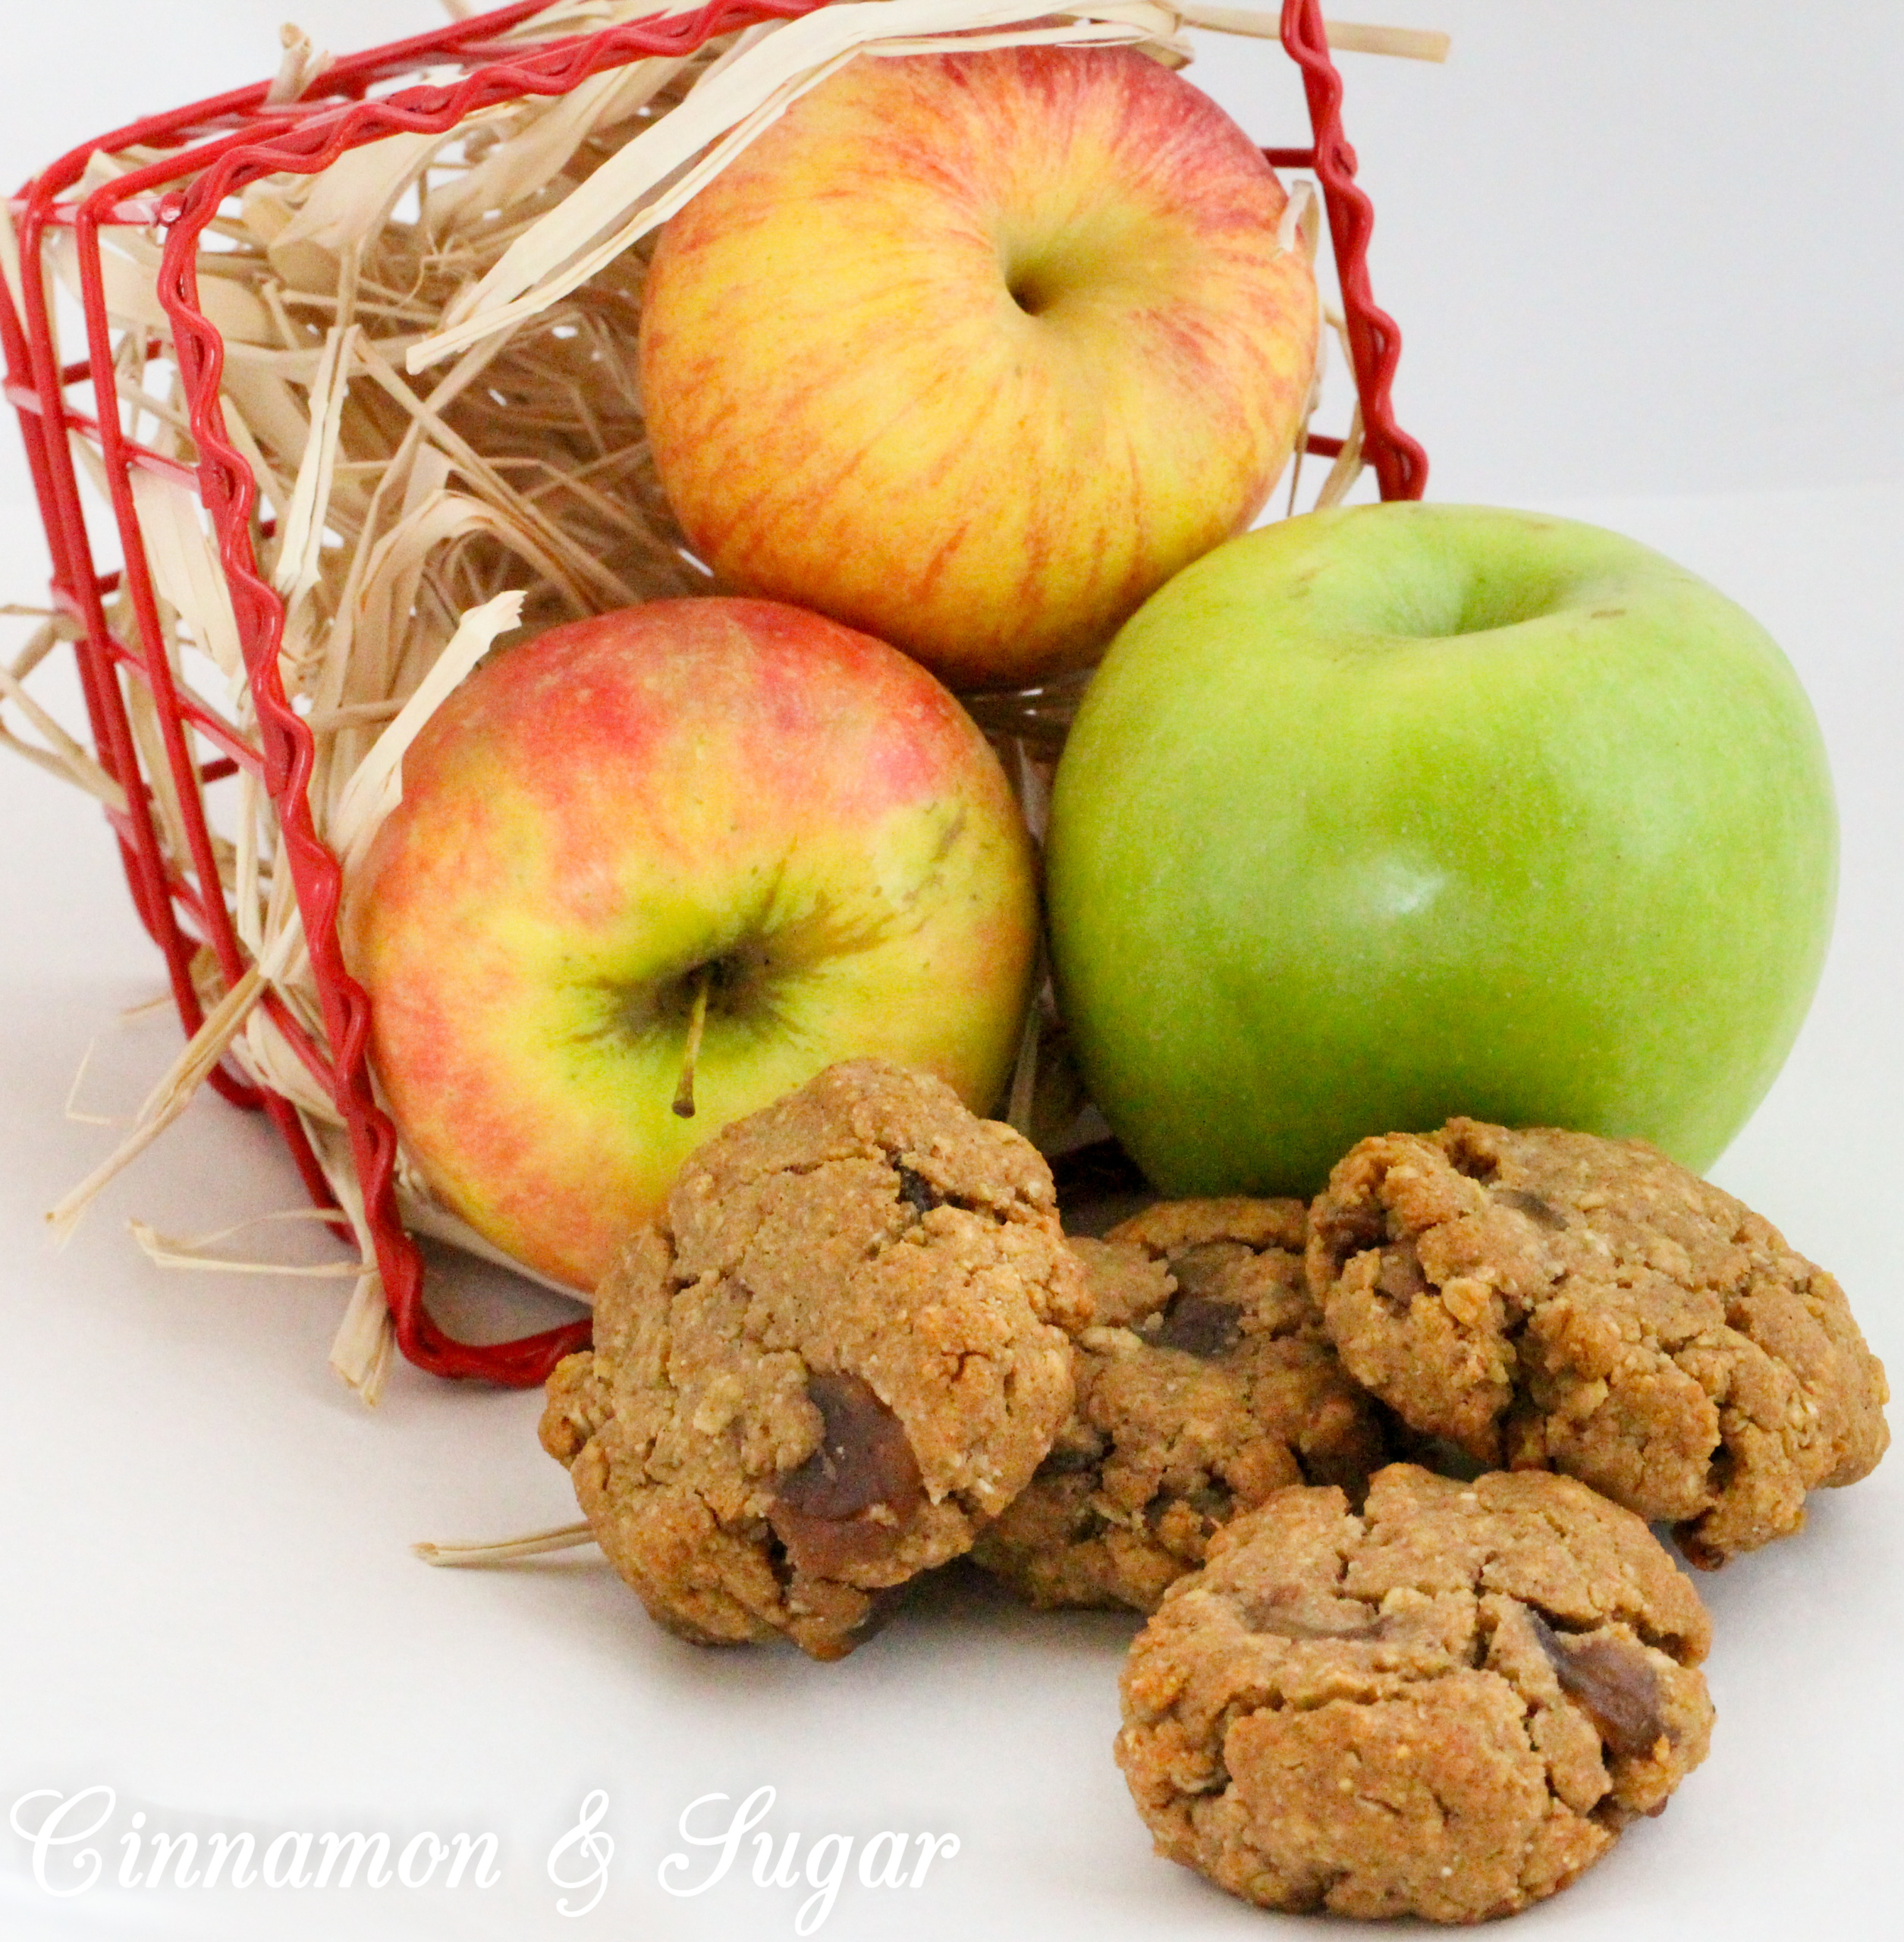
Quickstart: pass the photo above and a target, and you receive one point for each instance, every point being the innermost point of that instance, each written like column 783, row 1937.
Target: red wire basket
column 74, row 416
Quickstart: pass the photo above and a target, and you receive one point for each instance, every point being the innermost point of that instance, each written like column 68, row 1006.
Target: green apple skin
column 1381, row 814
column 597, row 822
column 975, row 351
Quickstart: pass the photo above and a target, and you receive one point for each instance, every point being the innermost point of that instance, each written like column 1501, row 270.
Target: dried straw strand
column 505, row 1550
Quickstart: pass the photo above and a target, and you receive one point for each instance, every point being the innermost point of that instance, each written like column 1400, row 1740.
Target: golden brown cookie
column 1545, row 1298
column 1447, row 1706
column 1207, row 1382
column 843, row 1350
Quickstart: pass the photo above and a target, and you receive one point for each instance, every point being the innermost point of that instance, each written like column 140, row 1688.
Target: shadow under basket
column 205, row 318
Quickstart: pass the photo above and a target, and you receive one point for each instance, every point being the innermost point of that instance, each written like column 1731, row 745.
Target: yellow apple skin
column 976, row 350
column 601, row 817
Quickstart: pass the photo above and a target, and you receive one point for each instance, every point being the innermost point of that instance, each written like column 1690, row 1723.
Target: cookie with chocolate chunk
column 843, row 1350
column 1545, row 1299
column 1206, row 1382
column 1447, row 1705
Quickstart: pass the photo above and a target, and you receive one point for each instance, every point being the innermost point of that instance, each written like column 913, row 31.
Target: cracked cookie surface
column 842, row 1350
column 1447, row 1706
column 1550, row 1299
column 1206, row 1382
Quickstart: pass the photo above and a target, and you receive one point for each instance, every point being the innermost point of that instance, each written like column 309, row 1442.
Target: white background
column 1646, row 261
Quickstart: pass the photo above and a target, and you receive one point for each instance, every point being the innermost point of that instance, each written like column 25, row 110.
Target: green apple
column 975, row 351
column 653, row 870
column 1376, row 815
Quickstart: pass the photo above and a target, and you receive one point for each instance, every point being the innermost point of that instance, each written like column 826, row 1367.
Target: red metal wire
column 1401, row 465
column 213, row 149
column 80, row 591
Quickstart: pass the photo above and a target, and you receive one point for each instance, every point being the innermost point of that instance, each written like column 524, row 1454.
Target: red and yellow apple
column 683, row 856
column 976, row 350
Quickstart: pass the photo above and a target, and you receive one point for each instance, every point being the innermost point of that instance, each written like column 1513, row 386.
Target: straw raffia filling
column 430, row 367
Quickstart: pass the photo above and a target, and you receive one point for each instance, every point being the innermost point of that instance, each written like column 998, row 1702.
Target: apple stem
column 696, row 1023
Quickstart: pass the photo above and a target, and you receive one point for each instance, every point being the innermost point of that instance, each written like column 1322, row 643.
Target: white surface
column 211, row 1607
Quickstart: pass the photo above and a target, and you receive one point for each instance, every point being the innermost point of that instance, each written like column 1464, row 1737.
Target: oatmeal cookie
column 1550, row 1299
column 843, row 1350
column 1206, row 1382
column 1447, row 1706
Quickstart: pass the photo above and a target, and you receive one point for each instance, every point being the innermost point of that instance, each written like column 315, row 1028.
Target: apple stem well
column 696, row 1024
